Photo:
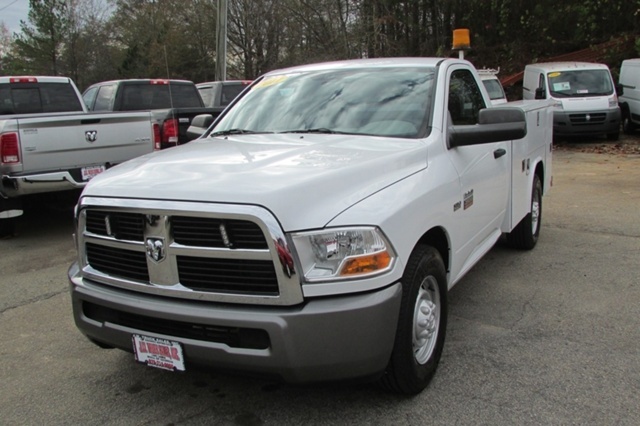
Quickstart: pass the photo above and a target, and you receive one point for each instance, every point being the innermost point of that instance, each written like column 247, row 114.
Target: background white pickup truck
column 314, row 231
column 48, row 141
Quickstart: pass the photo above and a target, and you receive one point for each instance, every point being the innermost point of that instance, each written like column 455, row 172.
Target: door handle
column 499, row 153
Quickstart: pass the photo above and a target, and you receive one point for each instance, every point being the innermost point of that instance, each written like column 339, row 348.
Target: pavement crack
column 40, row 298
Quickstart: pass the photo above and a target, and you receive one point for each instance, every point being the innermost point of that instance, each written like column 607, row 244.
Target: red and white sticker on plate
column 89, row 172
column 158, row 353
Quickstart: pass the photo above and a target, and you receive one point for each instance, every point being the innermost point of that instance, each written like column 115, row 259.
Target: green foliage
column 38, row 46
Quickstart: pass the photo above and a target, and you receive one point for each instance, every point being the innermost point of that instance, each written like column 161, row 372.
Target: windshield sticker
column 554, row 74
column 558, row 87
column 270, row 81
column 582, row 91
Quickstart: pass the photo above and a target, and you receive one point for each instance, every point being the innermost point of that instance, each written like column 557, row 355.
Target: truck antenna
column 166, row 64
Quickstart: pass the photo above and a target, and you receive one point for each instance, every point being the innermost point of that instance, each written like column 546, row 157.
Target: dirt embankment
column 626, row 145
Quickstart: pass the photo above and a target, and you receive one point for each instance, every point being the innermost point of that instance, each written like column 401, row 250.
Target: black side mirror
column 199, row 125
column 619, row 89
column 540, row 93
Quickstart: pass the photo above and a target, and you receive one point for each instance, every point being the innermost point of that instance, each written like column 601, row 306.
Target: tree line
column 97, row 40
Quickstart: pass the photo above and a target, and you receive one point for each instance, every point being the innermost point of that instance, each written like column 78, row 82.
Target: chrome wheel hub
column 535, row 213
column 426, row 320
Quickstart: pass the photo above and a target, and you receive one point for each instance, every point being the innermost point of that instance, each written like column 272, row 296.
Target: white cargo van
column 585, row 96
column 630, row 98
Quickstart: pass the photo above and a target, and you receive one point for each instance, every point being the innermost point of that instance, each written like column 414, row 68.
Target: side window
column 542, row 82
column 465, row 98
column 104, row 100
column 89, row 97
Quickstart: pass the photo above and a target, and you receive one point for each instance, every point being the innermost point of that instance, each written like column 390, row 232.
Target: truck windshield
column 381, row 102
column 580, row 83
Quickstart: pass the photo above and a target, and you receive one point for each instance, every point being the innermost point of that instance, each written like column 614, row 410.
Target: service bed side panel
column 527, row 153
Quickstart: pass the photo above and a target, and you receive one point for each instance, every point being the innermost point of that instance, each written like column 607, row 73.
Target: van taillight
column 157, row 141
column 170, row 131
column 9, row 148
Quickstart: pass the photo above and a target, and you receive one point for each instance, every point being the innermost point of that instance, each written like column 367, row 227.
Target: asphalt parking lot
column 547, row 337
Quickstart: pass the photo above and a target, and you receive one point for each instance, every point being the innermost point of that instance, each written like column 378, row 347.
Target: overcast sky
column 12, row 11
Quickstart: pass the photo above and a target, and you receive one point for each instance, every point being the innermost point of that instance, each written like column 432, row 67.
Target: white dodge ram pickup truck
column 315, row 229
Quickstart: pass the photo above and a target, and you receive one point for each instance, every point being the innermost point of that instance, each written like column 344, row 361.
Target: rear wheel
column 7, row 218
column 7, row 228
column 421, row 325
column 628, row 126
column 525, row 235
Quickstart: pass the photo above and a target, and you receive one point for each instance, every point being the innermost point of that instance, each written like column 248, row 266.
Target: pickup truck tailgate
column 78, row 140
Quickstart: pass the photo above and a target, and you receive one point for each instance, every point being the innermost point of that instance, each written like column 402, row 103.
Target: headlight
column 613, row 101
column 343, row 253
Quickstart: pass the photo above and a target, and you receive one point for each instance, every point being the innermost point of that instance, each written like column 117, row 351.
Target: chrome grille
column 204, row 252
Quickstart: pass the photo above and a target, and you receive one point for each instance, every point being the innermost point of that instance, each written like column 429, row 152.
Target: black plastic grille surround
column 208, row 232
column 594, row 118
column 123, row 226
column 235, row 337
column 118, row 262
column 240, row 276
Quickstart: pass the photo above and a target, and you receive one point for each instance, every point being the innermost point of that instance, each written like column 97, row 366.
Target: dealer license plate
column 158, row 353
column 91, row 171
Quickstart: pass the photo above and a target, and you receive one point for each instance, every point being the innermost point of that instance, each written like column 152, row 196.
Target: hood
column 590, row 103
column 304, row 180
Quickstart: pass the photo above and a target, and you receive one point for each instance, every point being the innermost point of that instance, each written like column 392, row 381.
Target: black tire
column 628, row 126
column 613, row 136
column 7, row 225
column 7, row 228
column 422, row 324
column 525, row 235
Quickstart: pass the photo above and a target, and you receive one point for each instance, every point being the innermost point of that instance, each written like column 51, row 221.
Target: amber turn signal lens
column 366, row 264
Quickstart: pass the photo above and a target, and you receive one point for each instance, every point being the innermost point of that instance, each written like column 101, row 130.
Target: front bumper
column 324, row 339
column 566, row 123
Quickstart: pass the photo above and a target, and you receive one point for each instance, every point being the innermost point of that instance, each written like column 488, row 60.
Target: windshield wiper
column 321, row 130
column 235, row 132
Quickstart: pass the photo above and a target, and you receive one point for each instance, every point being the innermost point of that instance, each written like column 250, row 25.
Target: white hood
column 305, row 181
column 591, row 103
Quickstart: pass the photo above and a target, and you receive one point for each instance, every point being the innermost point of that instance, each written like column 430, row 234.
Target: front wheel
column 525, row 235
column 421, row 324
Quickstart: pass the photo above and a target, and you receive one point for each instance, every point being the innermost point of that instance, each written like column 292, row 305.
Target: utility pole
column 221, row 35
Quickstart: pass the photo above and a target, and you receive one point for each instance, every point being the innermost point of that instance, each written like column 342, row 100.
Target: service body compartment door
column 527, row 153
